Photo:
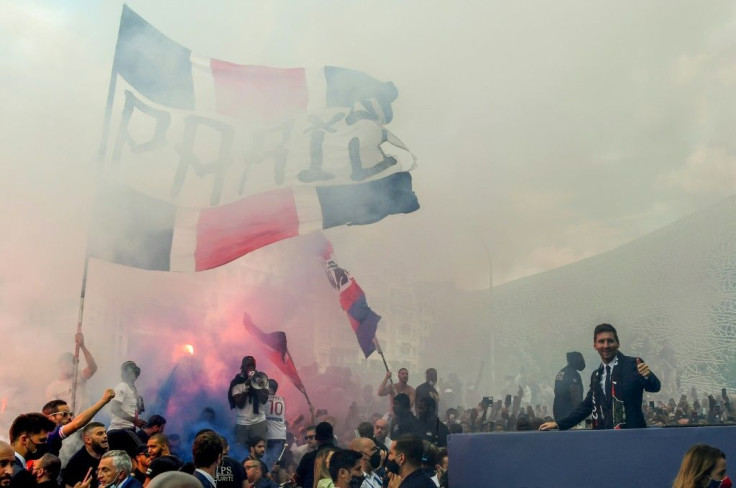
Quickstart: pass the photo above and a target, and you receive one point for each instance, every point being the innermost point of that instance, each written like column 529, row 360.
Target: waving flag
column 363, row 320
column 133, row 229
column 277, row 351
column 200, row 131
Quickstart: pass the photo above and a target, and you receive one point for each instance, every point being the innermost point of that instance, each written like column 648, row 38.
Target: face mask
column 114, row 481
column 375, row 459
column 392, row 466
column 724, row 483
column 356, row 481
column 41, row 449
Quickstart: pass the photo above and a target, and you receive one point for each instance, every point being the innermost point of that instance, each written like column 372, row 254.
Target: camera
column 487, row 401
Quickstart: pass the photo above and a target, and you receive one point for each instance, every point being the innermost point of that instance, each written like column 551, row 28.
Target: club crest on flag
column 337, row 276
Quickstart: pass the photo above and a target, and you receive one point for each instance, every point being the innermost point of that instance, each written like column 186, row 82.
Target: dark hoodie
column 568, row 386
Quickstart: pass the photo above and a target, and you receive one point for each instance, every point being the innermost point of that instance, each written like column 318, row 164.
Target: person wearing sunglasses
column 142, row 463
column 66, row 423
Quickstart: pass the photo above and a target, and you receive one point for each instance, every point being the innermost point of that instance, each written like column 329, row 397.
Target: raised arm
column 84, row 417
column 383, row 388
column 89, row 361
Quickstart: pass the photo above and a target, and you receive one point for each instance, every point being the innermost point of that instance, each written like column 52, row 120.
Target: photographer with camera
column 247, row 392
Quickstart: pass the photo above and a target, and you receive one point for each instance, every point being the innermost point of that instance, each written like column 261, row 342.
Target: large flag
column 276, row 349
column 198, row 131
column 363, row 320
column 133, row 229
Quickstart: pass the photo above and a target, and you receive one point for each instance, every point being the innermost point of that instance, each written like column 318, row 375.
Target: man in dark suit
column 116, row 467
column 28, row 435
column 207, row 454
column 616, row 388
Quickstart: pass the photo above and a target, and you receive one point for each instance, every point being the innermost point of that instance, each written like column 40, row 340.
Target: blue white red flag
column 206, row 160
column 276, row 349
column 363, row 320
column 200, row 131
column 134, row 229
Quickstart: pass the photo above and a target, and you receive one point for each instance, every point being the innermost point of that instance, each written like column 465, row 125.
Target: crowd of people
column 396, row 437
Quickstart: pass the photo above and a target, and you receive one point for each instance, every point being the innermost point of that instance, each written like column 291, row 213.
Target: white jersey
column 275, row 413
column 245, row 415
column 62, row 390
column 130, row 401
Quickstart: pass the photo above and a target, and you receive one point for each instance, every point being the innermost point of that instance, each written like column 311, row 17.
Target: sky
column 545, row 132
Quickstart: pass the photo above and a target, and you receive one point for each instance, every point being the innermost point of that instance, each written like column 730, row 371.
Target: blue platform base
column 581, row 458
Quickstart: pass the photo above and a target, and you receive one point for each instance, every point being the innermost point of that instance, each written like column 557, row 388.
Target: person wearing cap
column 325, row 438
column 127, row 404
column 568, row 386
column 142, row 462
column 163, row 464
column 247, row 401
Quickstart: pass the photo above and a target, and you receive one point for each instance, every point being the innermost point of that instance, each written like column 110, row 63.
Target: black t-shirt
column 78, row 466
column 417, row 479
column 425, row 390
column 140, row 476
column 163, row 464
column 405, row 424
column 48, row 484
column 23, row 479
column 230, row 474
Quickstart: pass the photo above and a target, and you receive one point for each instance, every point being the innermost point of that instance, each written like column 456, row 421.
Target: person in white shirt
column 275, row 417
column 248, row 403
column 61, row 387
column 127, row 405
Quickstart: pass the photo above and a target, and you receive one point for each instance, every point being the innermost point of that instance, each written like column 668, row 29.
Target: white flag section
column 204, row 132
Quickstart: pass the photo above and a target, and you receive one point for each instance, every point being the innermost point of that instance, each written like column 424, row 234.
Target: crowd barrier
column 647, row 458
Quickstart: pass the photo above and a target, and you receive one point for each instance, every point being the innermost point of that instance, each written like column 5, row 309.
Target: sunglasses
column 64, row 414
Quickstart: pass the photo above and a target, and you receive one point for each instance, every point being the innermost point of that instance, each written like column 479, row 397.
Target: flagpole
column 385, row 364
column 303, row 389
column 100, row 159
column 75, row 372
column 110, row 99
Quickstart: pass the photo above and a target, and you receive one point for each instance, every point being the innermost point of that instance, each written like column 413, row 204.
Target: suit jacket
column 21, row 478
column 203, row 479
column 131, row 482
column 628, row 386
